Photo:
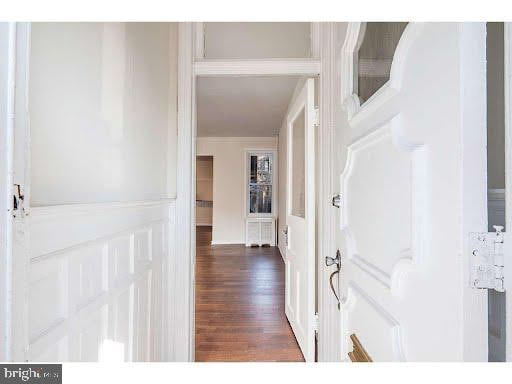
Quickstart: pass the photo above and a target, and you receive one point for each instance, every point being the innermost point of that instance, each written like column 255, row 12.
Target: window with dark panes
column 260, row 183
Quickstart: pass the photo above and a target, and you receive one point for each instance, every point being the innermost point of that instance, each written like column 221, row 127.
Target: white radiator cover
column 260, row 231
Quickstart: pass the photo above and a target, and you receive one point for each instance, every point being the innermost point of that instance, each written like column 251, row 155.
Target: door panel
column 412, row 188
column 300, row 219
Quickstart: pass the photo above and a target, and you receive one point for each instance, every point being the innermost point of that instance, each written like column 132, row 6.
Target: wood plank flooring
column 240, row 304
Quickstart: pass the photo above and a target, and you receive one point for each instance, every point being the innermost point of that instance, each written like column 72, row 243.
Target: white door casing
column 413, row 187
column 300, row 218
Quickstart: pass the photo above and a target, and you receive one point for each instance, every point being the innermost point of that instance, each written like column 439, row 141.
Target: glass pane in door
column 375, row 55
column 298, row 192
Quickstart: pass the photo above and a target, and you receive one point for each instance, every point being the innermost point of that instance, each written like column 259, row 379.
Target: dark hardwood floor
column 240, row 304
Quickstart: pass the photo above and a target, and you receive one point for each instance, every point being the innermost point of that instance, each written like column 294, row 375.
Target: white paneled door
column 300, row 219
column 413, row 186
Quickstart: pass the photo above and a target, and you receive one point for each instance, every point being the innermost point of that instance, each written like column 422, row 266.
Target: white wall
column 102, row 112
column 103, row 133
column 257, row 40
column 229, row 163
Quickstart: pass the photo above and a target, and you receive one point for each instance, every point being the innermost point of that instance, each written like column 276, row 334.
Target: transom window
column 260, row 183
column 373, row 56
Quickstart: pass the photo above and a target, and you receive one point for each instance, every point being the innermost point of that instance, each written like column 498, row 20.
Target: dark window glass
column 260, row 183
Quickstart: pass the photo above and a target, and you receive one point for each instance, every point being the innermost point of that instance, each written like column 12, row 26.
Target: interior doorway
column 241, row 218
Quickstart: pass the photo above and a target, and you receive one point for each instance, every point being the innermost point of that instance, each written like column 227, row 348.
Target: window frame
column 274, row 170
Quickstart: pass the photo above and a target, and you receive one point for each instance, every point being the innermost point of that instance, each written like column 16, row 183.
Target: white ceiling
column 242, row 106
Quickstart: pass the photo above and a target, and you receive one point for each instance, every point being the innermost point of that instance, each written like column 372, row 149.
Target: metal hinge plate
column 316, row 322
column 487, row 260
column 316, row 117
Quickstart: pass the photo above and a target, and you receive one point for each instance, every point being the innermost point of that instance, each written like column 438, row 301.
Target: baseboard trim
column 228, row 242
column 280, row 251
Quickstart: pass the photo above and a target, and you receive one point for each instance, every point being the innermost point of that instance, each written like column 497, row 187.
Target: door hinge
column 316, row 322
column 316, row 117
column 487, row 259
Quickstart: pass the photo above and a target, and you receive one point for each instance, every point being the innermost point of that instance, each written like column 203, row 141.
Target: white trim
column 472, row 106
column 305, row 67
column 182, row 289
column 281, row 251
column 46, row 212
column 328, row 347
column 20, row 175
column 232, row 139
column 214, row 242
column 6, row 181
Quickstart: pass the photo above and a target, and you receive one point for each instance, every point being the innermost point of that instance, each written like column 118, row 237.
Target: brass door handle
column 334, row 261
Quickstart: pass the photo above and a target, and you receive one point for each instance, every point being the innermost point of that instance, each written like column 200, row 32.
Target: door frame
column 191, row 65
column 7, row 108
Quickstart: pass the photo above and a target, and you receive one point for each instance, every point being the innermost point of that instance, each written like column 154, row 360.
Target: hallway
column 240, row 304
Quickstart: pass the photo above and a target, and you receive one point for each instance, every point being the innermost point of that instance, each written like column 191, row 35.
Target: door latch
column 336, row 201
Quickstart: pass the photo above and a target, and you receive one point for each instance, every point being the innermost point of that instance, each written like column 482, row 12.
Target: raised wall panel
column 47, row 301
column 98, row 295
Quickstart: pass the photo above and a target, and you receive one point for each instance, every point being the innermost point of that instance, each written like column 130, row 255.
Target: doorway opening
column 496, row 176
column 241, row 218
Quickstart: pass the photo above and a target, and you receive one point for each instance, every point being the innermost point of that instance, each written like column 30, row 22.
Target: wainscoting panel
column 98, row 282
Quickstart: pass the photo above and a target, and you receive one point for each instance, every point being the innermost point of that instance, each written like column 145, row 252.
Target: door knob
column 336, row 260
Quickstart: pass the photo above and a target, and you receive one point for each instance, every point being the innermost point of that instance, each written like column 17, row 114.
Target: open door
column 300, row 217
column 412, row 189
